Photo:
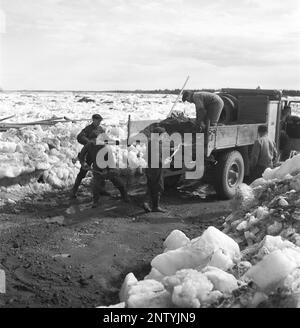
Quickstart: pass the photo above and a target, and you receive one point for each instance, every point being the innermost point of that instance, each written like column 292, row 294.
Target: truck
column 226, row 147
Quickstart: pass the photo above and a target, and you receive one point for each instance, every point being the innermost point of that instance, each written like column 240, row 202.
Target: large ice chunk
column 176, row 239
column 148, row 294
column 222, row 260
column 271, row 243
column 188, row 287
column 155, row 274
column 197, row 253
column 290, row 166
column 222, row 281
column 269, row 272
column 129, row 281
column 182, row 258
column 214, row 239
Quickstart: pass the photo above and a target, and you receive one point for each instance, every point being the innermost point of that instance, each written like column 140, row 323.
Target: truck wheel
column 229, row 174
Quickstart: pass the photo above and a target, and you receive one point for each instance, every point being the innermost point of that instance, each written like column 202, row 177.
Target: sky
column 144, row 44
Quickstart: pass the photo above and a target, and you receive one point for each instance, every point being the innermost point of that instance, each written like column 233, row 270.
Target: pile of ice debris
column 269, row 206
column 53, row 150
column 256, row 262
column 211, row 271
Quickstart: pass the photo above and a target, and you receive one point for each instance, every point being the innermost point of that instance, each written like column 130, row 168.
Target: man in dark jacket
column 284, row 140
column 90, row 151
column 86, row 136
column 264, row 153
column 155, row 178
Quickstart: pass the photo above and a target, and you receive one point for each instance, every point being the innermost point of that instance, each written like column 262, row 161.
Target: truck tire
column 229, row 113
column 230, row 172
column 225, row 116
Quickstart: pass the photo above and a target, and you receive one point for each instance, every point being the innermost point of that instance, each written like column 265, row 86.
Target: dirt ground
column 82, row 259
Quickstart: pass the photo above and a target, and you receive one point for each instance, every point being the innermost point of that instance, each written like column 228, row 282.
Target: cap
column 186, row 94
column 262, row 129
column 97, row 117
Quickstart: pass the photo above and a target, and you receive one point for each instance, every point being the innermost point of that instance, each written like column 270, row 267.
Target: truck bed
column 230, row 136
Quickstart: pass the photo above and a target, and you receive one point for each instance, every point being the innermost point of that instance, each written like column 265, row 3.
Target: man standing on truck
column 264, row 153
column 86, row 136
column 208, row 106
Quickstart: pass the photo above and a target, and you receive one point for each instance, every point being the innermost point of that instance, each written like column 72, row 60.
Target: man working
column 90, row 152
column 86, row 136
column 264, row 153
column 284, row 140
column 208, row 106
column 155, row 179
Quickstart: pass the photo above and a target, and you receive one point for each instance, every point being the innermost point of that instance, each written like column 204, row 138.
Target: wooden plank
column 226, row 136
column 6, row 118
column 246, row 134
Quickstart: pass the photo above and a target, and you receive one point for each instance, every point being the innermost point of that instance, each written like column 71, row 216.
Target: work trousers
column 99, row 183
column 82, row 174
column 257, row 172
column 155, row 182
column 211, row 112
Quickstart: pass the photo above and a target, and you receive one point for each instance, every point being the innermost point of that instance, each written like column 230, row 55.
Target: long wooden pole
column 128, row 129
column 6, row 118
column 176, row 101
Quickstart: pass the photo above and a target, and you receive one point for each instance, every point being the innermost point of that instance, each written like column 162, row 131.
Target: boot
column 146, row 207
column 155, row 203
column 124, row 194
column 75, row 188
column 125, row 197
column 95, row 204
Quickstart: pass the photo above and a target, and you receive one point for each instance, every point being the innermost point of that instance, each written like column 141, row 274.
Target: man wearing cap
column 86, row 136
column 208, row 106
column 90, row 152
column 155, row 178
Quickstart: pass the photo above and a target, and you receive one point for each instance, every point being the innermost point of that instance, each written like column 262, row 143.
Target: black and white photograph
column 149, row 157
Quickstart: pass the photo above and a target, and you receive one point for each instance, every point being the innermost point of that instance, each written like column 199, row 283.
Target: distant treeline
column 159, row 91
column 291, row 93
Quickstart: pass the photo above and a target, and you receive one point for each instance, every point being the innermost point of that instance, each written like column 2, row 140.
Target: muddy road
column 80, row 258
